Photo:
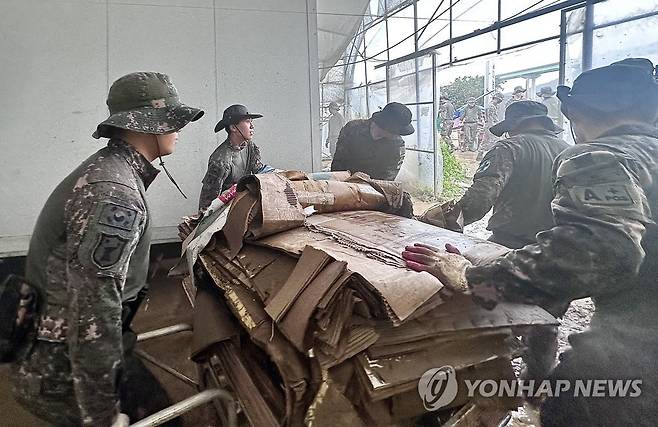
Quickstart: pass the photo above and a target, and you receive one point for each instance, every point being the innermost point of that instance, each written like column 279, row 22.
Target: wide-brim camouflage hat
column 145, row 102
column 521, row 112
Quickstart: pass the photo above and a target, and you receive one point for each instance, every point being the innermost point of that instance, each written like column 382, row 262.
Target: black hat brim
column 156, row 121
column 379, row 118
column 235, row 119
column 508, row 125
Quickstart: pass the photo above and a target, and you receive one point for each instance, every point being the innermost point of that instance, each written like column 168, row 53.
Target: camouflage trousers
column 446, row 129
column 42, row 383
column 471, row 136
column 489, row 140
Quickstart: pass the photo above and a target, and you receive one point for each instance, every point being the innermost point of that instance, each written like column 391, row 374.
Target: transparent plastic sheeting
column 338, row 21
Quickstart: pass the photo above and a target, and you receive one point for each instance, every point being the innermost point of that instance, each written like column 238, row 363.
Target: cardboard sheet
column 295, row 324
column 308, row 267
column 459, row 314
column 279, row 207
column 386, row 377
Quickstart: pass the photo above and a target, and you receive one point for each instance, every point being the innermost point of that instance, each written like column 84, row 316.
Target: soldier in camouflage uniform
column 604, row 245
column 515, row 179
column 548, row 98
column 374, row 146
column 446, row 119
column 492, row 115
column 518, row 94
column 236, row 157
column 470, row 120
column 89, row 255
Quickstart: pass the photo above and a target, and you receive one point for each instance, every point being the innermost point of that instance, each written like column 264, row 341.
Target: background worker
column 336, row 123
column 492, row 115
column 470, row 121
column 547, row 95
column 446, row 119
column 518, row 94
column 236, row 157
column 374, row 146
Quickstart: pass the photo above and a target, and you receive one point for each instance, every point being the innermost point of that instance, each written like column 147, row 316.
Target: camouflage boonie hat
column 145, row 102
column 520, row 112
column 620, row 86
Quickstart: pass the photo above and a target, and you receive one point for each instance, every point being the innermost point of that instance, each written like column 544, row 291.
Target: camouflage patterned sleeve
column 600, row 212
column 255, row 163
column 391, row 167
column 104, row 223
column 489, row 181
column 340, row 161
column 212, row 182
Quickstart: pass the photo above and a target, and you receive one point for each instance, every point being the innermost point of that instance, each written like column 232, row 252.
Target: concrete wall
column 61, row 56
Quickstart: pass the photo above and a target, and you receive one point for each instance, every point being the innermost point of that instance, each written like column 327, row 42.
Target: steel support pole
column 168, row 369
column 506, row 23
column 450, row 32
column 500, row 15
column 438, row 154
column 588, row 35
column 187, row 405
column 163, row 332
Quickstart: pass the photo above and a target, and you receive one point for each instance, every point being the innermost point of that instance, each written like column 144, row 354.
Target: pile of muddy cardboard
column 342, row 330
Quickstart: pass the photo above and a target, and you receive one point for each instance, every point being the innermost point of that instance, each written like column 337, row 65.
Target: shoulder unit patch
column 603, row 195
column 108, row 250
column 117, row 216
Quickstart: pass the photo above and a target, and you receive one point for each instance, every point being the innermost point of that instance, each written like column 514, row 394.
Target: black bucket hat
column 233, row 115
column 145, row 102
column 620, row 86
column 521, row 111
column 546, row 90
column 394, row 118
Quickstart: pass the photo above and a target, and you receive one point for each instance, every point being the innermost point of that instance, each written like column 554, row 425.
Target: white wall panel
column 178, row 42
column 263, row 62
column 60, row 56
column 53, row 78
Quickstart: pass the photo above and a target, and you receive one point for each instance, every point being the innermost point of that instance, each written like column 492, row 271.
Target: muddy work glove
column 448, row 215
column 449, row 266
column 121, row 420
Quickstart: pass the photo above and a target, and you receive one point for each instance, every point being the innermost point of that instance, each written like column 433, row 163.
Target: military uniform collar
column 238, row 148
column 633, row 129
column 144, row 168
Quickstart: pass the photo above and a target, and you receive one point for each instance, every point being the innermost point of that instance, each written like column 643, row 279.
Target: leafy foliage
column 462, row 88
column 454, row 179
column 453, row 174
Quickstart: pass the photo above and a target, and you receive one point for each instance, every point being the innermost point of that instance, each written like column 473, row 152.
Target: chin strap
column 573, row 134
column 171, row 178
column 244, row 139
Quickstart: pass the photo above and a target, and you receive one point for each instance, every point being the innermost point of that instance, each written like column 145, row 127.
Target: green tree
column 462, row 88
